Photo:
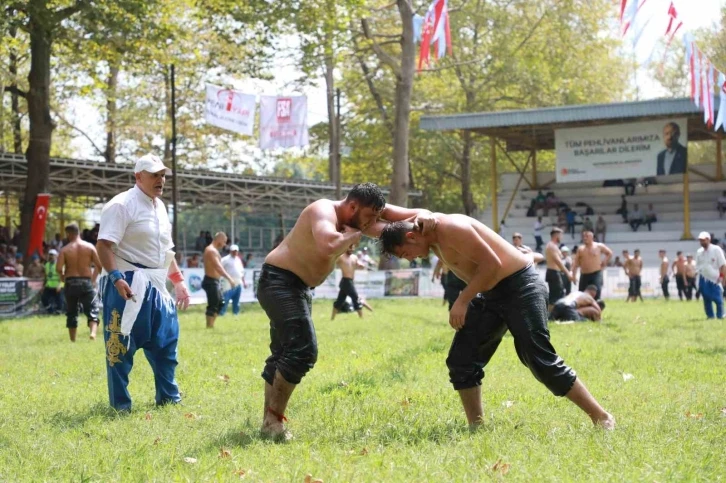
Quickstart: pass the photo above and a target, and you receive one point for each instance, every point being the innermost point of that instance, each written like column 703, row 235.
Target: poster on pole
column 283, row 122
column 230, row 109
column 621, row 151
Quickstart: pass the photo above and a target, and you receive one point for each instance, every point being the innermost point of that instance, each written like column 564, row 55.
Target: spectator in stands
column 538, row 226
column 19, row 268
column 650, row 216
column 200, row 242
column 673, row 159
column 539, row 200
column 57, row 242
column 248, row 261
column 193, row 261
column 630, row 186
column 207, row 238
column 623, row 210
column 570, row 216
column 562, row 220
column 587, row 225
column 35, row 269
column 503, row 229
column 10, row 267
column 635, row 218
column 600, row 229
column 551, row 203
column 711, row 268
column 721, row 204
column 52, row 296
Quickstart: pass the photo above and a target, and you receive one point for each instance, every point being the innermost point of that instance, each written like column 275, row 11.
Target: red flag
column 37, row 229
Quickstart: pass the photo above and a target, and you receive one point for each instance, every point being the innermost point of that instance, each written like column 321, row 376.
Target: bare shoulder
column 323, row 208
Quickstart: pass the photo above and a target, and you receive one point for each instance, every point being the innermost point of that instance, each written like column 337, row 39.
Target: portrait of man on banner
column 674, row 158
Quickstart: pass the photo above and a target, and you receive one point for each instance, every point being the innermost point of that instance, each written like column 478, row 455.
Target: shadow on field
column 76, row 418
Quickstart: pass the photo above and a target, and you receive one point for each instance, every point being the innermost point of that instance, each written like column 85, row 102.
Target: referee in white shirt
column 711, row 268
column 135, row 248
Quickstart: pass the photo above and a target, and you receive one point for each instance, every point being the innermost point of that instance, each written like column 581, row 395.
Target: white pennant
column 722, row 104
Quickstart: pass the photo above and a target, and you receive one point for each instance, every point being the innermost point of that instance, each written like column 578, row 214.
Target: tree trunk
column 110, row 153
column 404, row 90
column 333, row 134
column 14, row 99
column 41, row 124
column 466, row 194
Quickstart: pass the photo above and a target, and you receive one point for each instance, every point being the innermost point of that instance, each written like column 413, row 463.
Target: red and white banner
column 283, row 122
column 37, row 228
column 230, row 109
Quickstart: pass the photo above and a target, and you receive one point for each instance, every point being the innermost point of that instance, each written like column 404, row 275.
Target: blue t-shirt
column 570, row 217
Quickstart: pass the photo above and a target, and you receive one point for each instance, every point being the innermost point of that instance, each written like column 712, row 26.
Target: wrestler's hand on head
column 426, row 222
column 182, row 296
column 123, row 289
column 457, row 315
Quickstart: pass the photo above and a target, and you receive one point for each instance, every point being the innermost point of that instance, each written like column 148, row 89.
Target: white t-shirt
column 538, row 228
column 139, row 227
column 234, row 267
column 708, row 262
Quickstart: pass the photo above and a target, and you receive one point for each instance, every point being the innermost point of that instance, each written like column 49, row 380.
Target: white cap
column 703, row 235
column 233, row 248
column 151, row 164
column 52, row 251
column 565, row 249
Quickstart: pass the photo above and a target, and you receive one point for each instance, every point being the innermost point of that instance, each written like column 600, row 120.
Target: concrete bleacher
column 666, row 197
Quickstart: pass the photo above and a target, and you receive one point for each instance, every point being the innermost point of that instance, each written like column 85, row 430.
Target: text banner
column 230, row 109
column 621, row 151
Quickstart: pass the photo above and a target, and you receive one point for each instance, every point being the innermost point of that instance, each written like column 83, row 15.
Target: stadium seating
column 666, row 197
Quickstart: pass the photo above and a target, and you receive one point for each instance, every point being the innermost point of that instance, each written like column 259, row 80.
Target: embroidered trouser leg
column 156, row 330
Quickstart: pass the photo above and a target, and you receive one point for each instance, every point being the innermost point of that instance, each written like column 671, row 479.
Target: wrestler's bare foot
column 607, row 423
column 335, row 312
column 275, row 431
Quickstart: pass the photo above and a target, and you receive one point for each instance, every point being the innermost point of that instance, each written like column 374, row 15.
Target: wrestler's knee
column 298, row 359
column 547, row 367
column 71, row 322
column 463, row 372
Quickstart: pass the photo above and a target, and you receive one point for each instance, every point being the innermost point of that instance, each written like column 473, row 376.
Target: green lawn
column 377, row 407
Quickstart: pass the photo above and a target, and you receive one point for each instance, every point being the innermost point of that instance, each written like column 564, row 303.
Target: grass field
column 377, row 407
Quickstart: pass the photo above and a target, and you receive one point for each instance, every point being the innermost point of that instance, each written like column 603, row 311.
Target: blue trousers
column 156, row 330
column 711, row 292
column 233, row 295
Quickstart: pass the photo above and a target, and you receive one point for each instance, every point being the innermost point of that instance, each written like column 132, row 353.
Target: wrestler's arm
column 608, row 255
column 575, row 265
column 328, row 239
column 437, row 269
column 59, row 266
column 216, row 262
column 390, row 213
column 96, row 264
column 463, row 235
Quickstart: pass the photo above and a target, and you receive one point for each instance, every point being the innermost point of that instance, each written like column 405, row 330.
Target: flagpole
column 174, row 184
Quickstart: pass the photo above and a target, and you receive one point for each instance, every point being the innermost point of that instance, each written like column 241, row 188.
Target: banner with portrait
column 622, row 151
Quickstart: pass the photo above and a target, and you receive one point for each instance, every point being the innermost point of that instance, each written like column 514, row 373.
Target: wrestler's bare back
column 76, row 258
column 457, row 233
column 299, row 252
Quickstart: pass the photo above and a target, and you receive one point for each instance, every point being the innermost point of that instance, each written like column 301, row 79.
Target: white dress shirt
column 709, row 261
column 139, row 227
column 668, row 160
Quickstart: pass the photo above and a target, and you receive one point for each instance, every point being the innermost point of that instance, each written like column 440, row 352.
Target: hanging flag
column 709, row 94
column 690, row 64
column 435, row 31
column 230, row 109
column 674, row 25
column 704, row 89
column 721, row 83
column 37, row 227
column 283, row 122
column 697, row 74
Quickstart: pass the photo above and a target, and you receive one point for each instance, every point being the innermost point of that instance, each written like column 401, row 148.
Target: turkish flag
column 37, row 229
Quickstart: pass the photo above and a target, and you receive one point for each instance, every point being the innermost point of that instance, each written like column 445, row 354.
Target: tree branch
column 64, row 13
column 368, row 76
column 385, row 58
column 451, row 66
column 83, row 133
column 14, row 89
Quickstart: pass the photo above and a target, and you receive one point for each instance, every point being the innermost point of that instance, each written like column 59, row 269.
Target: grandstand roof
column 534, row 129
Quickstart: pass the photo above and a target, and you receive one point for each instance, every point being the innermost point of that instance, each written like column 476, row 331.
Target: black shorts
column 79, row 291
column 215, row 297
column 517, row 303
column 556, row 285
column 634, row 288
column 565, row 311
column 592, row 278
column 293, row 343
column 347, row 289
